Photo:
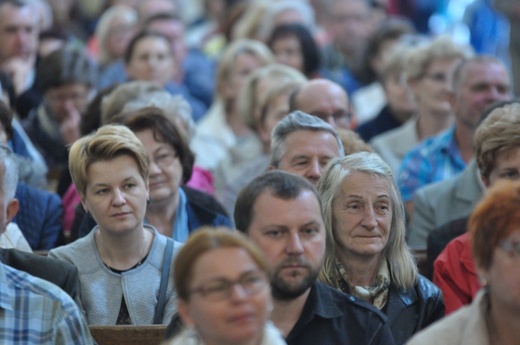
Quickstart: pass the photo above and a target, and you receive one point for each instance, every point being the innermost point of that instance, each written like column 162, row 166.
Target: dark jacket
column 202, row 209
column 382, row 123
column 330, row 317
column 54, row 151
column 409, row 311
column 439, row 238
column 58, row 272
column 39, row 216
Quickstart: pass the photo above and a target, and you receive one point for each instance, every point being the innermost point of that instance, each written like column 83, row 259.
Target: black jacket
column 330, row 317
column 58, row 272
column 411, row 310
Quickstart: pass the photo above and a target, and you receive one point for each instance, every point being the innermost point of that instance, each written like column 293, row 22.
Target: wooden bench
column 128, row 335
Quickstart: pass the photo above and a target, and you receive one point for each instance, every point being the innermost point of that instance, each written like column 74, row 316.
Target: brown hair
column 203, row 241
column 164, row 131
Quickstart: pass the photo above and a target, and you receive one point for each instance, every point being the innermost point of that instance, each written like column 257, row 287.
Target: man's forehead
column 305, row 198
column 294, row 140
column 481, row 69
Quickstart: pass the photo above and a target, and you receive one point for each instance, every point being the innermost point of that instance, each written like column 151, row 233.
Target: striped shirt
column 34, row 311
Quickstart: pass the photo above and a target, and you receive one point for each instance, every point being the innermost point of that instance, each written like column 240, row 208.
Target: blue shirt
column 34, row 311
column 435, row 159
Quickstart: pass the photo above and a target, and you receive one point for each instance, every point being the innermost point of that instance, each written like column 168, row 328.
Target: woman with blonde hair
column 367, row 255
column 123, row 264
column 428, row 71
column 223, row 127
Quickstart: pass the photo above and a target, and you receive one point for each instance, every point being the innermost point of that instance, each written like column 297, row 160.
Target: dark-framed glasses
column 511, row 247
column 251, row 283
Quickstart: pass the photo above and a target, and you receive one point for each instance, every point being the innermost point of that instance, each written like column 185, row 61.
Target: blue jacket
column 39, row 216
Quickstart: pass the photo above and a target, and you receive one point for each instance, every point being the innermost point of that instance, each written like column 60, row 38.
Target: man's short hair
column 64, row 66
column 278, row 183
column 298, row 121
column 459, row 73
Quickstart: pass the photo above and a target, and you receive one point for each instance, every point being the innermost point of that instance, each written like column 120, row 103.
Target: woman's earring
column 147, row 201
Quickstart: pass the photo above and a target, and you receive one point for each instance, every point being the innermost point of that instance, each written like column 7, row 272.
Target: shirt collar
column 7, row 292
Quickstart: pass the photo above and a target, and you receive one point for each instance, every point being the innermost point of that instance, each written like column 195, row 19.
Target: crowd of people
column 259, row 172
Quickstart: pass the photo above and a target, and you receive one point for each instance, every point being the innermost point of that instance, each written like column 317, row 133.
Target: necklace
column 143, row 254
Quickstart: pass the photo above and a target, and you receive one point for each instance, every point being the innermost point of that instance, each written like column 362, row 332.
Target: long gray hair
column 402, row 265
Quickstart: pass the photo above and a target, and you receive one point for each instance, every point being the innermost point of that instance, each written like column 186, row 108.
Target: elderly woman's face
column 166, row 171
column 117, row 200
column 432, row 90
column 362, row 215
column 503, row 276
column 224, row 313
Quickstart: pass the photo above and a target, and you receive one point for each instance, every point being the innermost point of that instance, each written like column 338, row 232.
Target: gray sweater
column 101, row 290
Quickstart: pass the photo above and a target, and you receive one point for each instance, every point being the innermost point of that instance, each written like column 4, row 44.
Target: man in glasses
column 325, row 99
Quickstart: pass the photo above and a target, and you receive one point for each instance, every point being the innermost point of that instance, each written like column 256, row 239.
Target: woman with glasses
column 494, row 315
column 428, row 68
column 223, row 288
column 174, row 209
column 123, row 264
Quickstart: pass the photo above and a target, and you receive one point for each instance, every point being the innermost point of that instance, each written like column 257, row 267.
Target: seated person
column 367, row 255
column 36, row 212
column 123, row 264
column 174, row 209
column 282, row 214
column 31, row 167
column 497, row 145
column 67, row 78
column 494, row 315
column 35, row 311
column 149, row 57
column 207, row 270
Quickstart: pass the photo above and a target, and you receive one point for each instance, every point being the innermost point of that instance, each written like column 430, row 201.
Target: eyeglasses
column 251, row 283
column 164, row 159
column 512, row 248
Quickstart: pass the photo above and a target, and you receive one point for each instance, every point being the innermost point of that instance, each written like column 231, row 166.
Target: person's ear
column 271, row 168
column 185, row 313
column 11, row 210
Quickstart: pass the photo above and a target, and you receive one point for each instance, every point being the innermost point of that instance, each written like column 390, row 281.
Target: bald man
column 325, row 99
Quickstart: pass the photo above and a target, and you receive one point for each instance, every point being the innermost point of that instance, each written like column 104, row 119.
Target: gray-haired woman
column 366, row 251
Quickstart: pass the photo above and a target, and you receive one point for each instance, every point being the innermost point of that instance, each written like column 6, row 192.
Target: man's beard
column 284, row 290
